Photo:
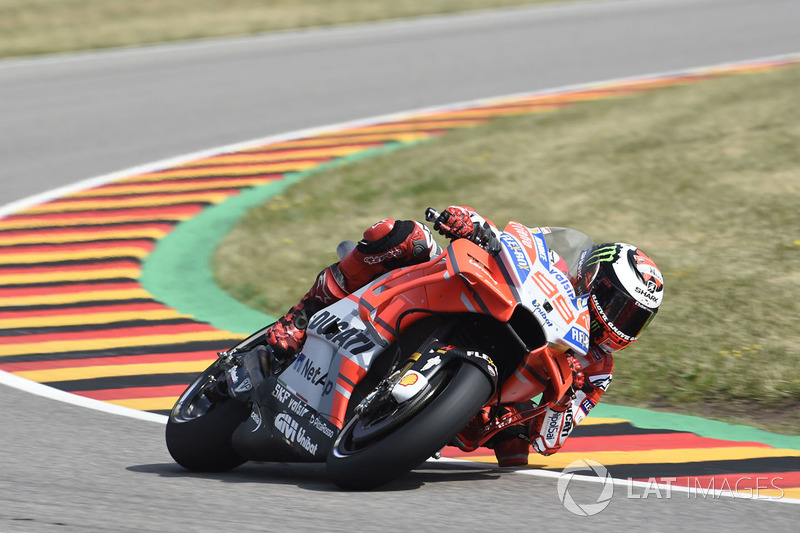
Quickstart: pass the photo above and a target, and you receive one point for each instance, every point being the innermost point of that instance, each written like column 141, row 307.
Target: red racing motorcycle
column 396, row 371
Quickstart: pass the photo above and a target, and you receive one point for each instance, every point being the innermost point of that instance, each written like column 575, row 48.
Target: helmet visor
column 624, row 315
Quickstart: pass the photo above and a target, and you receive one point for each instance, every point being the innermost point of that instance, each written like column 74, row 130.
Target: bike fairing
column 532, row 268
column 341, row 323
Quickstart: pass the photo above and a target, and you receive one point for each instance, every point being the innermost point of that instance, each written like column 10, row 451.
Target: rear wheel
column 201, row 424
column 391, row 440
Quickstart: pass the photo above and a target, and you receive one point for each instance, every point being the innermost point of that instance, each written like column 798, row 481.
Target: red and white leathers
column 550, row 430
column 391, row 244
column 547, row 432
column 387, row 245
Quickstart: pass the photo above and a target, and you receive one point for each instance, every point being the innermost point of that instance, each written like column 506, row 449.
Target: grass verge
column 705, row 178
column 30, row 27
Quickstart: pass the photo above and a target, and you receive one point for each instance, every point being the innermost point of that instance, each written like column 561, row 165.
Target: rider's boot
column 386, row 245
column 513, row 451
column 288, row 334
column 513, row 445
column 470, row 436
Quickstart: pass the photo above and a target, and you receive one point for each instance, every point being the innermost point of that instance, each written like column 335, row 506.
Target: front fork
column 246, row 372
column 433, row 355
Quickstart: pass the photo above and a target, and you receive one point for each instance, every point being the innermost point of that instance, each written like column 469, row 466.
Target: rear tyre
column 356, row 463
column 201, row 424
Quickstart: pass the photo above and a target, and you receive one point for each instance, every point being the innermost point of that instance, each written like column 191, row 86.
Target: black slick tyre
column 199, row 430
column 453, row 402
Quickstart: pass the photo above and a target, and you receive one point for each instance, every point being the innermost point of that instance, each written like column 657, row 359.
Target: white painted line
column 37, row 199
column 54, row 394
column 662, row 488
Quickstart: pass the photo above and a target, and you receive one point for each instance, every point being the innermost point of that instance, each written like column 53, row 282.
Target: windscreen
column 570, row 245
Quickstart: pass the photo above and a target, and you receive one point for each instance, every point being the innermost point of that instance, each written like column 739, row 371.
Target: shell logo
column 408, row 379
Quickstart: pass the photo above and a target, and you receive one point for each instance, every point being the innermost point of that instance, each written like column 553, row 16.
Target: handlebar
column 432, row 215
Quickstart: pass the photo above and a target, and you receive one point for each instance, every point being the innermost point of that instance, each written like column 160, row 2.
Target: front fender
column 439, row 355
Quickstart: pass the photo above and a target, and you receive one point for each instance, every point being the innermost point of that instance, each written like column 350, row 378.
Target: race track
column 70, row 466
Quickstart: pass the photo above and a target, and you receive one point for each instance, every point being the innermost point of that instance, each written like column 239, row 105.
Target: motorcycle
column 393, row 373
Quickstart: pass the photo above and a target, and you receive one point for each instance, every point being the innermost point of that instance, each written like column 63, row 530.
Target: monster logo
column 605, row 254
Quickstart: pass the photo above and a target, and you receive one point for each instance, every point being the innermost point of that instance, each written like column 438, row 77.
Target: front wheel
column 454, row 396
column 201, row 424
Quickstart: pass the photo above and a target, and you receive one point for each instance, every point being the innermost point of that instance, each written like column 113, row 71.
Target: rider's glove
column 455, row 223
column 462, row 222
column 578, row 378
column 512, row 445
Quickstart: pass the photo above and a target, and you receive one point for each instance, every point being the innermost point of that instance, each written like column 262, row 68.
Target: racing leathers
column 547, row 432
column 391, row 244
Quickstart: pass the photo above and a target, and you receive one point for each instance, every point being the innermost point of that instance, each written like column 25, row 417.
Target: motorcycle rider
column 625, row 289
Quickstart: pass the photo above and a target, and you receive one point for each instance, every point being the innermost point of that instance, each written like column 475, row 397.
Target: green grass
column 29, row 27
column 705, row 178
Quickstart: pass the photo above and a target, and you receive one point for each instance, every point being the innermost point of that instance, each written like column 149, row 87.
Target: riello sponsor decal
column 321, row 426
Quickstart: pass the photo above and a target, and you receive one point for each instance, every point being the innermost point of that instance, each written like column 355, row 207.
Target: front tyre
column 201, row 424
column 449, row 405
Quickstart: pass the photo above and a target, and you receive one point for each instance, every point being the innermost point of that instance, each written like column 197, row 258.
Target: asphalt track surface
column 68, row 468
column 68, row 119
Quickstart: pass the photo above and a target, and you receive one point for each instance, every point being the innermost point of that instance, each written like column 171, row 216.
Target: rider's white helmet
column 625, row 291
